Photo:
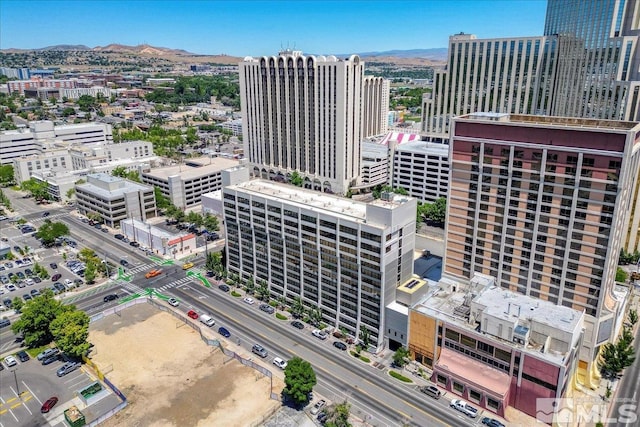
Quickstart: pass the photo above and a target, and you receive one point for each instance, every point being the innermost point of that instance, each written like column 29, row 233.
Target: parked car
column 119, row 236
column 279, row 363
column 110, row 297
column 340, row 345
column 28, row 272
column 464, row 407
column 68, row 283
column 249, row 300
column 46, row 353
column 5, row 322
column 59, row 287
column 319, row 405
column 23, row 356
column 223, row 287
column 35, row 292
column 491, row 422
column 11, row 287
column 224, row 332
column 431, row 390
column 50, row 359
column 192, row 314
column 26, row 297
column 53, row 266
column 173, row 302
column 67, row 368
column 36, row 279
column 10, row 361
column 267, row 308
column 56, row 277
column 134, row 244
column 49, row 404
column 259, row 350
column 319, row 334
column 297, row 324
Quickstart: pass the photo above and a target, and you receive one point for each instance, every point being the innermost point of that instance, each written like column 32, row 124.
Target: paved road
column 370, row 390
column 625, row 407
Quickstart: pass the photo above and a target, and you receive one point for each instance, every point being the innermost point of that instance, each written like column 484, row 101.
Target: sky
column 256, row 28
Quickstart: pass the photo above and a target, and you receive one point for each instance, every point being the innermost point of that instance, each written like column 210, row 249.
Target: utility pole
column 15, row 377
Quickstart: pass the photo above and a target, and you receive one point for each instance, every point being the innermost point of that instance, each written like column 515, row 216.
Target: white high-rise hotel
column 307, row 114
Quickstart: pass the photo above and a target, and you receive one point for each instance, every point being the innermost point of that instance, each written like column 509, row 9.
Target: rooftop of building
column 125, row 186
column 315, row 201
column 193, row 168
column 551, row 121
column 426, row 148
column 155, row 231
column 454, row 306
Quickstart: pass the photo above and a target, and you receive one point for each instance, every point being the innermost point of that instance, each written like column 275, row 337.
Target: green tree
column 614, row 358
column 17, row 303
column 299, row 379
column 214, row 262
column 86, row 103
column 251, row 285
column 338, row 415
column 162, row 202
column 38, row 189
column 296, row 179
column 297, row 309
column 262, row 292
column 633, row 316
column 68, row 111
column 365, row 336
column 36, row 318
column 70, row 193
column 400, row 357
column 119, row 171
column 6, row 174
column 211, row 222
column 315, row 316
column 90, row 273
column 70, row 330
column 50, row 231
column 621, row 275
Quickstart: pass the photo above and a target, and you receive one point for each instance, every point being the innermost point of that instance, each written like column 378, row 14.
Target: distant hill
column 435, row 54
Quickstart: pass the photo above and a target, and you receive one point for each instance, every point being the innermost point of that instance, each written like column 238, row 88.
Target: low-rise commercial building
column 157, row 240
column 115, row 199
column 185, row 183
column 421, row 168
column 494, row 347
column 338, row 255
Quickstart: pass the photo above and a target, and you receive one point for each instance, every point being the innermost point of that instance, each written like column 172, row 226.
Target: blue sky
column 253, row 28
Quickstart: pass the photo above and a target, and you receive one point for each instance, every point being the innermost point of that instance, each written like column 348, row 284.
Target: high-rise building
column 310, row 114
column 375, row 106
column 540, row 203
column 338, row 255
column 303, row 113
column 587, row 64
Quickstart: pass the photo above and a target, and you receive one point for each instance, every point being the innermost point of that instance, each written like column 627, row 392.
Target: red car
column 49, row 404
column 192, row 314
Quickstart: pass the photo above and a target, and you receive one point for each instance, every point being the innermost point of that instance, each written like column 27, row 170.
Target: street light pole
column 15, row 377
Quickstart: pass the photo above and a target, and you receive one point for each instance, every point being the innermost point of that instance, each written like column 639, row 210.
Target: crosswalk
column 175, row 283
column 50, row 217
column 140, row 268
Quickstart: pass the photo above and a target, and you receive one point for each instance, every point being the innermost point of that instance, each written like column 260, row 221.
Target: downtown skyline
column 254, row 28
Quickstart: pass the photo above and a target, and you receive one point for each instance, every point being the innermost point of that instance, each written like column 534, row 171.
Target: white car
column 68, row 283
column 249, row 300
column 279, row 363
column 11, row 287
column 319, row 334
column 10, row 361
column 319, row 405
column 173, row 302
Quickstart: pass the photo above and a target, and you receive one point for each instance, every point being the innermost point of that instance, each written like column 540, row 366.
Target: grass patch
column 366, row 360
column 235, row 294
column 354, row 354
column 273, row 303
column 397, row 376
column 281, row 316
column 33, row 352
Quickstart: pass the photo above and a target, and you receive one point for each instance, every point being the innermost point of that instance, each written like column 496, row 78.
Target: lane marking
column 32, row 393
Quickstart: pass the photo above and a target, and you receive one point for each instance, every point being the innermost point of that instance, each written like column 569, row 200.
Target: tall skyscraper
column 540, row 203
column 303, row 113
column 587, row 64
column 375, row 106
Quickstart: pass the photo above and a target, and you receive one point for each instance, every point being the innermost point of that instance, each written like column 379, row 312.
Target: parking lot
column 27, row 385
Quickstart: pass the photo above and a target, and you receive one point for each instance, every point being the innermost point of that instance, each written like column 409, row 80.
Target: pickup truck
column 153, row 273
column 464, row 407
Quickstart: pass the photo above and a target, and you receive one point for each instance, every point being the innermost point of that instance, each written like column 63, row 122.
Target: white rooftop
column 193, row 168
column 125, row 186
column 426, row 148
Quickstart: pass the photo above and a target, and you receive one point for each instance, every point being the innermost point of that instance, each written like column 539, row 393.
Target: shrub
column 235, row 294
column 397, row 376
column 366, row 360
column 354, row 353
column 273, row 303
column 281, row 316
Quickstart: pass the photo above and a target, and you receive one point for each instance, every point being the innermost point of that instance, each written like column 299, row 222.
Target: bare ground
column 171, row 377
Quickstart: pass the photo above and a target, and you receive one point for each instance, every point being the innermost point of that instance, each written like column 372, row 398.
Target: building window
column 493, row 404
column 457, row 387
column 474, row 396
column 442, row 380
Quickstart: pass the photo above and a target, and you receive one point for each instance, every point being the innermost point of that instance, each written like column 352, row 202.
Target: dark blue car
column 224, row 332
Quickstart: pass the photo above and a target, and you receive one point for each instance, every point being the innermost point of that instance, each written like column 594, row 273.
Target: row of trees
column 50, row 231
column 36, row 188
column 45, row 319
column 615, row 357
column 435, row 212
column 6, row 175
column 627, row 258
column 208, row 221
column 4, row 200
column 123, row 172
column 194, row 89
column 94, row 265
column 166, row 142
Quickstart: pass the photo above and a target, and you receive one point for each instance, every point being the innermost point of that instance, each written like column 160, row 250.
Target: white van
column 207, row 320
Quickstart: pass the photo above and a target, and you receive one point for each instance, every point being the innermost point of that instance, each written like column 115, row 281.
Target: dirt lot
column 171, row 377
